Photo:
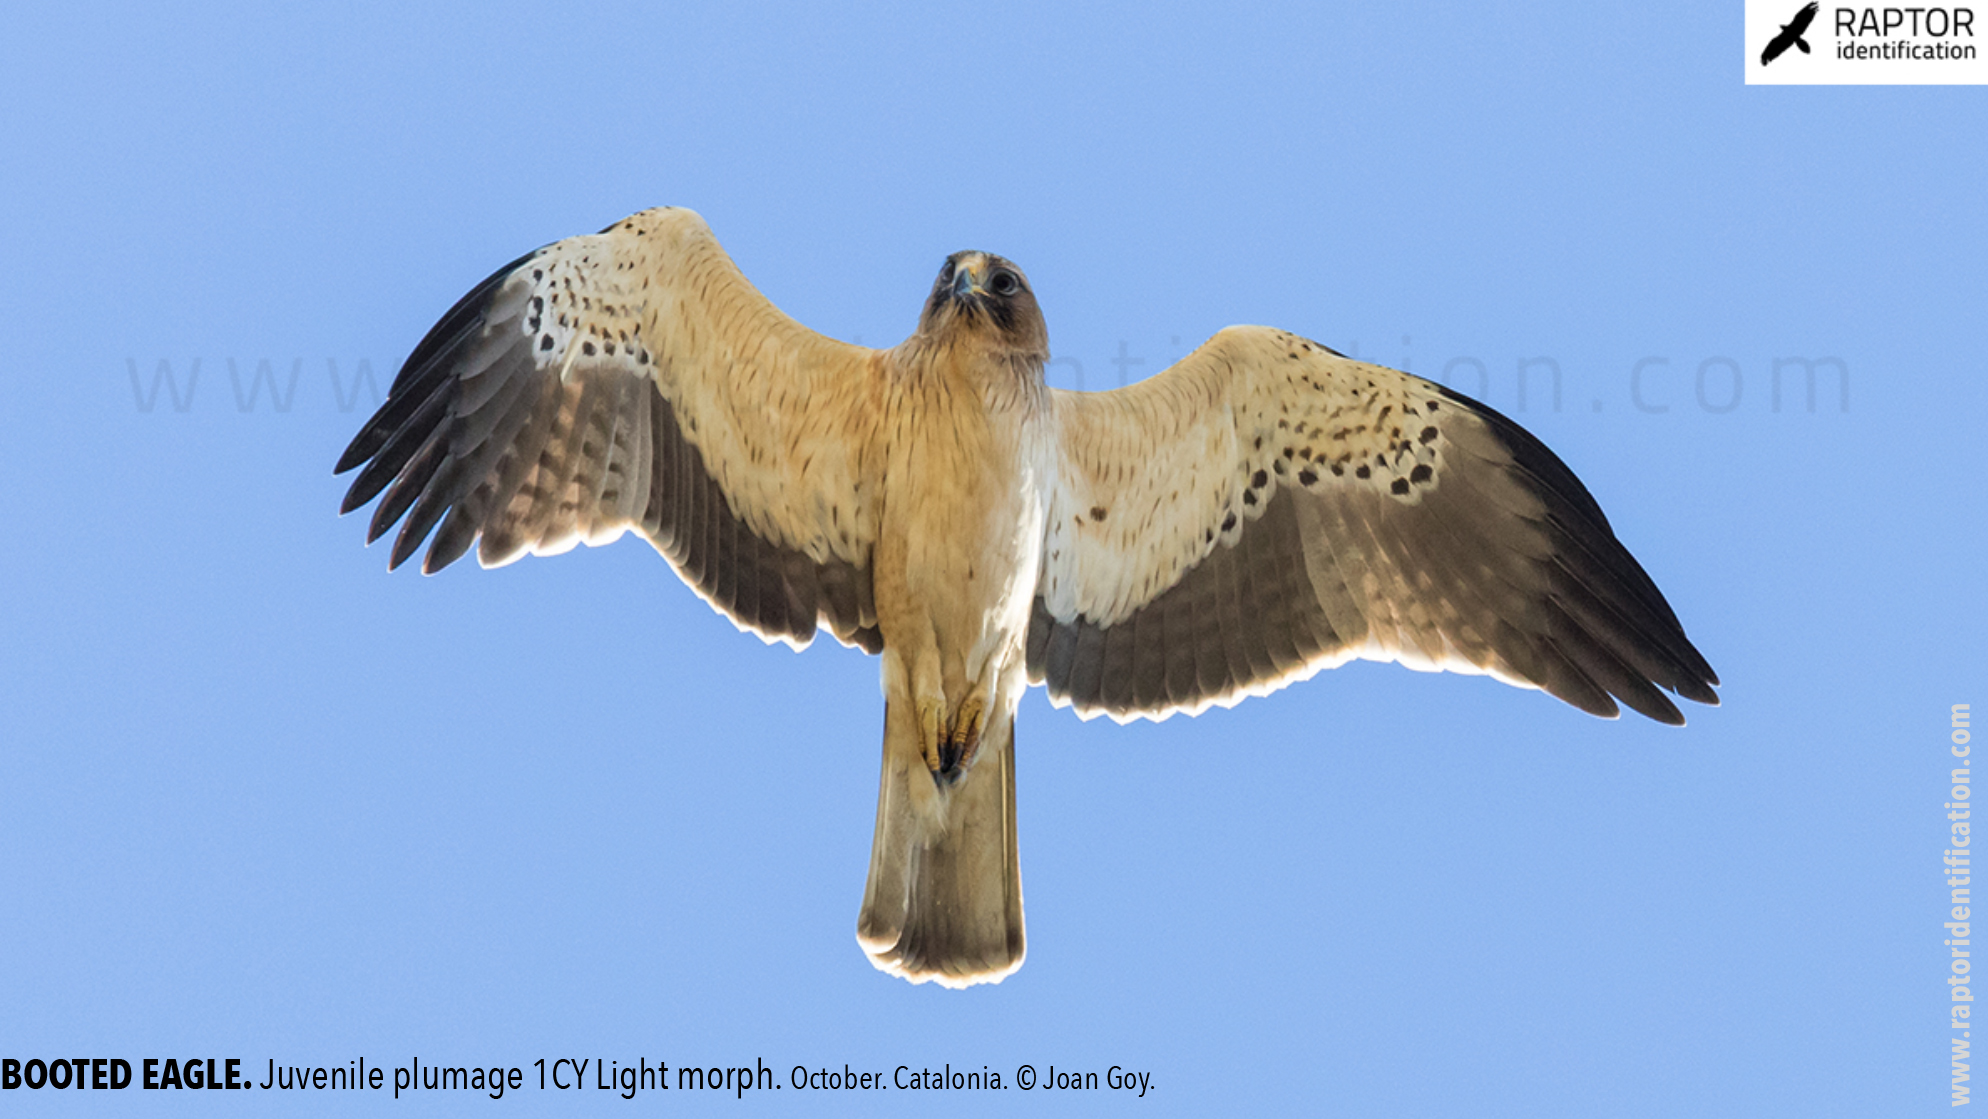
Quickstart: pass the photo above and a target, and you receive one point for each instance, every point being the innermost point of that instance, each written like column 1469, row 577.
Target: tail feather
column 944, row 900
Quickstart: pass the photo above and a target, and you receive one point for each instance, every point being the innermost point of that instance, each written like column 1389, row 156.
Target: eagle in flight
column 1790, row 36
column 1264, row 509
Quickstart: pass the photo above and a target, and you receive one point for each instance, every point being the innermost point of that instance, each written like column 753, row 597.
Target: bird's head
column 984, row 298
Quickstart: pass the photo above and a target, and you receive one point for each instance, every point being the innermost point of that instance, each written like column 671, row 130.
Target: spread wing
column 633, row 379
column 1790, row 35
column 1267, row 508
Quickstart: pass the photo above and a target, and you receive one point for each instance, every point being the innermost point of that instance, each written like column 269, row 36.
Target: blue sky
column 263, row 799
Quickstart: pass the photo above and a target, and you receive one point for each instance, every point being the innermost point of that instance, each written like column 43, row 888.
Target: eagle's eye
column 946, row 273
column 1005, row 283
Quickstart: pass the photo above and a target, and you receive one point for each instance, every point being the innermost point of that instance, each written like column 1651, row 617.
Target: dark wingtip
column 1698, row 691
column 404, row 547
column 355, row 496
column 452, row 541
column 1661, row 710
column 358, row 451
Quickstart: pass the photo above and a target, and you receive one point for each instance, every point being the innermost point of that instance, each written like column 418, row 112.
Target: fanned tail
column 944, row 899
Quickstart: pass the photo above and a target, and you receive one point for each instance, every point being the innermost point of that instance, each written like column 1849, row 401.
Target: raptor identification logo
column 1789, row 42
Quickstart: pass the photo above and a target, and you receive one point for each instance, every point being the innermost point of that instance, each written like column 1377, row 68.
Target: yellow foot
column 932, row 732
column 964, row 740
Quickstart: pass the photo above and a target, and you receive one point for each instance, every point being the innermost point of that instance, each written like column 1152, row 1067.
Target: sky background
column 260, row 798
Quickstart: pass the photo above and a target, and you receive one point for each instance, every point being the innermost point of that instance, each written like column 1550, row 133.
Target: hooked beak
column 969, row 278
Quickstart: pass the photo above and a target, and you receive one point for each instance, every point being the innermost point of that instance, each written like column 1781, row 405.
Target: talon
column 931, row 734
column 964, row 742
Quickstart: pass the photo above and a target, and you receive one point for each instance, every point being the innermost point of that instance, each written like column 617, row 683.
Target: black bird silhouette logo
column 1790, row 36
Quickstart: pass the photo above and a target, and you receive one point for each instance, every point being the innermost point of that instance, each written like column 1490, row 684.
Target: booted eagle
column 1264, row 509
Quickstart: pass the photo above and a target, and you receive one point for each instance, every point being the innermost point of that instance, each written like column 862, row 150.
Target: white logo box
column 1867, row 44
